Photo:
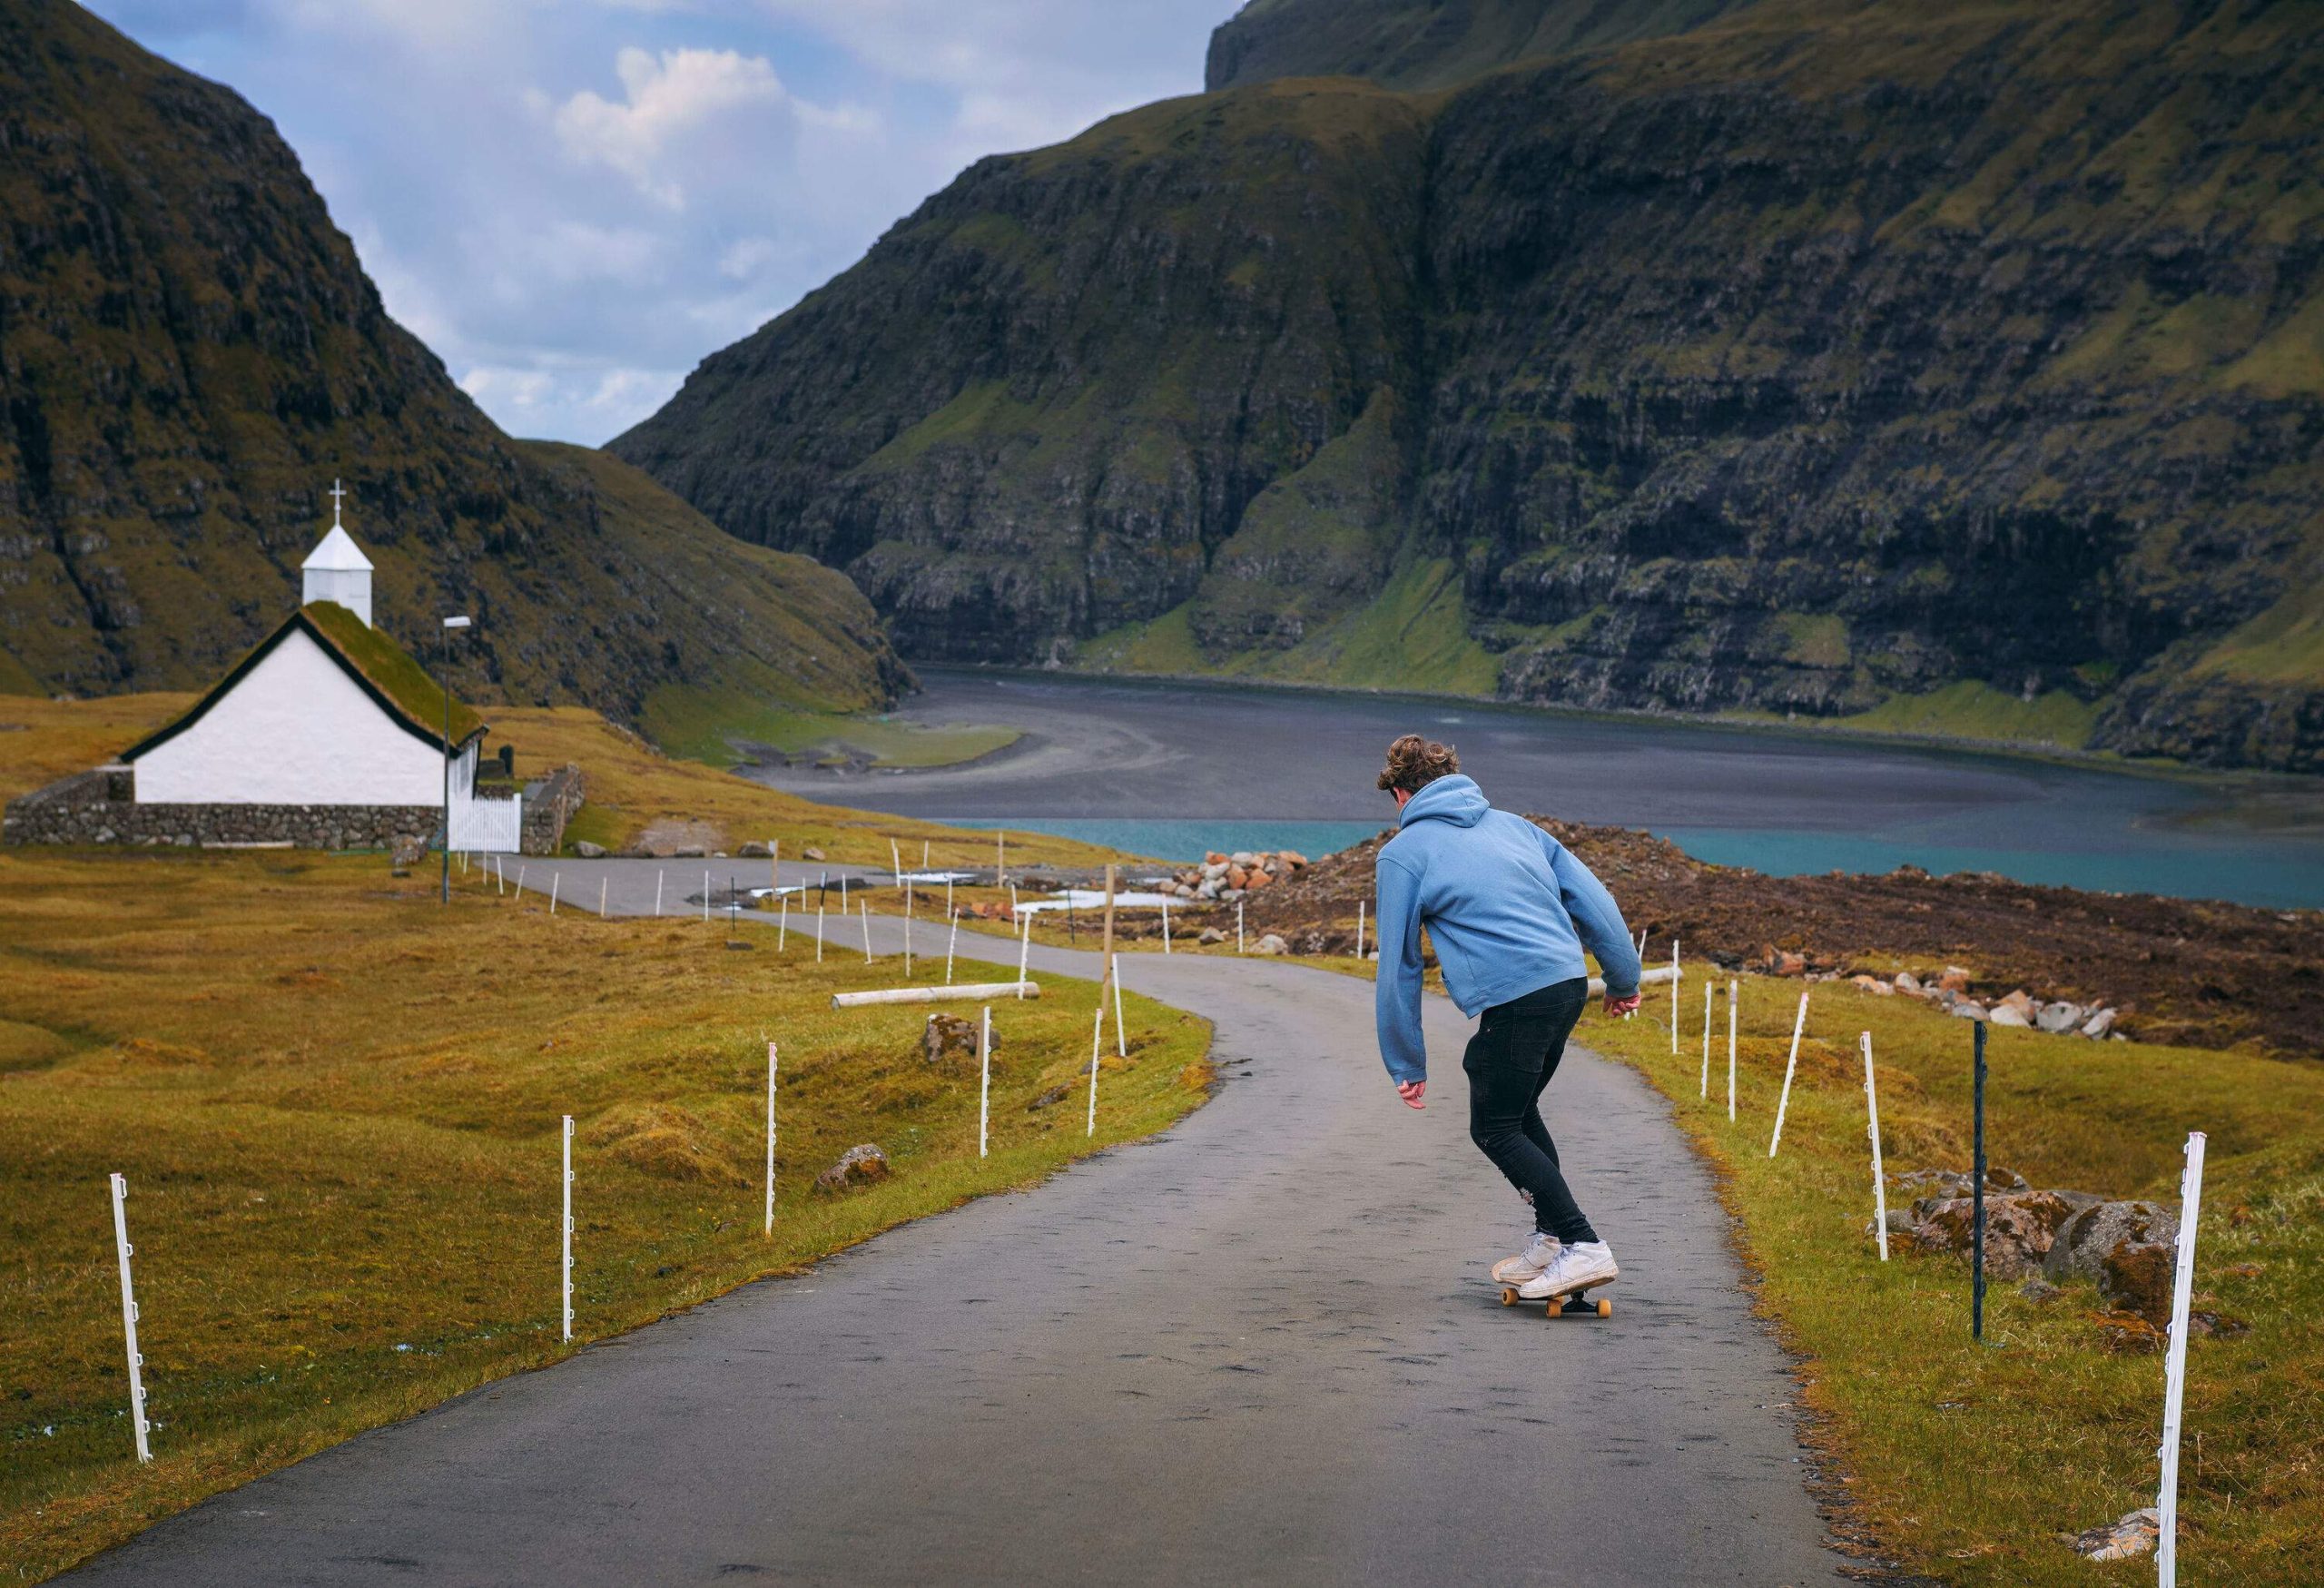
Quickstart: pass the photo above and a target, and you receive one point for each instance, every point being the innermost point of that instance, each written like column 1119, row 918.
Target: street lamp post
column 452, row 627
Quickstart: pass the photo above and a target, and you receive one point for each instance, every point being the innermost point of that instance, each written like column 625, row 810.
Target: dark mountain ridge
column 1832, row 359
column 190, row 352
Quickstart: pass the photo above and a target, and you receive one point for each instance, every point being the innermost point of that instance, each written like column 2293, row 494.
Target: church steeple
column 337, row 569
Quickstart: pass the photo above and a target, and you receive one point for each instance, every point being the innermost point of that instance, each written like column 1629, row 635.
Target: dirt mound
column 2211, row 975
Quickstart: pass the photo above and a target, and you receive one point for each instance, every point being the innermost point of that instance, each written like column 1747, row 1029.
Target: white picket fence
column 488, row 826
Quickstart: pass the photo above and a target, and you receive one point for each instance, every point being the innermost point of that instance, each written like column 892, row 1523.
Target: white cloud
column 573, row 201
column 668, row 98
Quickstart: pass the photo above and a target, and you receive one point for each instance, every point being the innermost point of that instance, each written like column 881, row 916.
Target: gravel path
column 1257, row 1347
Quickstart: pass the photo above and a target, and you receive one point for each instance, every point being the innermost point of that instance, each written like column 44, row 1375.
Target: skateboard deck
column 1576, row 1304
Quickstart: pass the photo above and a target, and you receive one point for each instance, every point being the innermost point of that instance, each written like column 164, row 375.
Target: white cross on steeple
column 337, row 492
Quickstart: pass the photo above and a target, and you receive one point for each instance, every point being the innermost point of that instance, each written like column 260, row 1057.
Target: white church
column 327, row 710
column 328, row 736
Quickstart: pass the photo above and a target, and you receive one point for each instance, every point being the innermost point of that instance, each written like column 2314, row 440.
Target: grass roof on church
column 391, row 670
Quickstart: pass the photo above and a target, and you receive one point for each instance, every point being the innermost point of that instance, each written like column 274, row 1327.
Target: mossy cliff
column 1793, row 357
column 190, row 353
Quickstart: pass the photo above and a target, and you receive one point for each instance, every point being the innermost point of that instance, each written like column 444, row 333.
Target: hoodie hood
column 1455, row 799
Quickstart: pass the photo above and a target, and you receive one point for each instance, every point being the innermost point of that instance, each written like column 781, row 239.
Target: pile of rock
column 2042, row 1237
column 1223, row 878
column 1949, row 989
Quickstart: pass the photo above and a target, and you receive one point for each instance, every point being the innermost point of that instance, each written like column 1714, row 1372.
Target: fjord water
column 1171, row 768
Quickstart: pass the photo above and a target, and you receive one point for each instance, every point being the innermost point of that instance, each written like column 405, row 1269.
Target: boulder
column 1214, row 859
column 2096, row 1229
column 2099, row 1024
column 1968, row 1008
column 1954, row 980
column 753, row 850
column 2136, row 1278
column 2007, row 1014
column 858, row 1166
column 1271, row 944
column 1243, row 859
column 1874, row 985
column 2020, row 1228
column 2039, row 1290
column 952, row 1036
column 2057, row 1019
column 1238, row 876
column 1782, row 962
column 588, row 851
column 1211, row 934
column 2135, row 1535
column 811, row 852
column 1258, row 879
column 1293, row 859
column 689, row 852
column 1937, row 1184
column 1907, row 982
column 2022, row 1002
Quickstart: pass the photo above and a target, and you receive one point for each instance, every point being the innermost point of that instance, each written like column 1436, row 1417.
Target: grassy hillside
column 337, row 1105
column 1783, row 357
column 192, row 353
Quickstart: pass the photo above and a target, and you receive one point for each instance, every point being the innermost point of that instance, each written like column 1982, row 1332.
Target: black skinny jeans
column 1509, row 1061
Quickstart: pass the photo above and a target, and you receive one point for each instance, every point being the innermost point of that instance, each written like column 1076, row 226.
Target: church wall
column 295, row 731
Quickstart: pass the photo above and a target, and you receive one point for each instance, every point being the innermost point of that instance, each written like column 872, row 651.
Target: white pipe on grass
column 933, row 994
column 2174, row 1378
column 1790, row 1065
column 1872, row 1126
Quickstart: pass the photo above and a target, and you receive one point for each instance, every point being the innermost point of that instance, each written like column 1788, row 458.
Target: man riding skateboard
column 1509, row 911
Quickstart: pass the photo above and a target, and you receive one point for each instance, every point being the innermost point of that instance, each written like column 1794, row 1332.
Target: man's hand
column 1411, row 1091
column 1619, row 1006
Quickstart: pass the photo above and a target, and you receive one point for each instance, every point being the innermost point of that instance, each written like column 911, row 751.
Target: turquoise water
column 2226, row 868
column 1167, row 839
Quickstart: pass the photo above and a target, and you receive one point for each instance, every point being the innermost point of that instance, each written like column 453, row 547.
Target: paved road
column 1253, row 1348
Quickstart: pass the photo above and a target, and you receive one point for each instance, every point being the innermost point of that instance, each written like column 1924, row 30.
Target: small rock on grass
column 1271, row 943
column 753, row 850
column 1050, row 1098
column 588, row 851
column 811, row 852
column 858, row 1166
column 2134, row 1534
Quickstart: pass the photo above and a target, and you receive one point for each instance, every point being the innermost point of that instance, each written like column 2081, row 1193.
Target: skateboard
column 1576, row 1304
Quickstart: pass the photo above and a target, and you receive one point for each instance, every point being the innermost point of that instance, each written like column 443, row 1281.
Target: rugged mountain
column 1951, row 366
column 190, row 352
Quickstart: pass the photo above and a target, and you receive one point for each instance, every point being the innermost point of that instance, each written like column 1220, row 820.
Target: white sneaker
column 1539, row 1254
column 1583, row 1265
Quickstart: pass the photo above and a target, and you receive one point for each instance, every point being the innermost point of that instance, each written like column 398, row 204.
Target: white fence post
column 951, row 943
column 658, row 877
column 897, row 855
column 1872, row 1124
column 129, row 1320
column 705, row 898
column 1706, row 998
column 556, row 882
column 1238, row 926
column 2174, row 1378
column 602, row 881
column 1730, row 1049
column 520, row 878
column 1024, row 945
column 866, row 905
column 818, row 935
column 1121, row 1037
column 1674, row 998
column 1096, row 1041
column 769, row 1137
column 1790, row 1064
column 907, row 931
column 984, row 1083
column 783, row 920
column 1359, row 929
column 568, row 1227
column 1166, row 926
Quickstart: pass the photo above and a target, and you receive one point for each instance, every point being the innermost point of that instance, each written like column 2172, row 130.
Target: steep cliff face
column 1798, row 357
column 190, row 353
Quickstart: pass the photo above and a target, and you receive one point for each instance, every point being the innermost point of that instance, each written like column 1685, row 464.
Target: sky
column 573, row 201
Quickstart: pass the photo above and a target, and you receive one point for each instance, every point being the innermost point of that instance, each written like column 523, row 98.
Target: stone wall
column 100, row 806
column 548, row 805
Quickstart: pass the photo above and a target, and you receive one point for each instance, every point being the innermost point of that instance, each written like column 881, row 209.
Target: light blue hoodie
column 1508, row 909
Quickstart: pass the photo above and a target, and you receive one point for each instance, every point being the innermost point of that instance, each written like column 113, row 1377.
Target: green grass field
column 338, row 1105
column 1970, row 1462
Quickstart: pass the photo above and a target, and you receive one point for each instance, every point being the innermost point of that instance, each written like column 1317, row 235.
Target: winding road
column 1253, row 1348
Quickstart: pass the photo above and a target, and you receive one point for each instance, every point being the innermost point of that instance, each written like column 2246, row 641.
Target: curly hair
column 1413, row 763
